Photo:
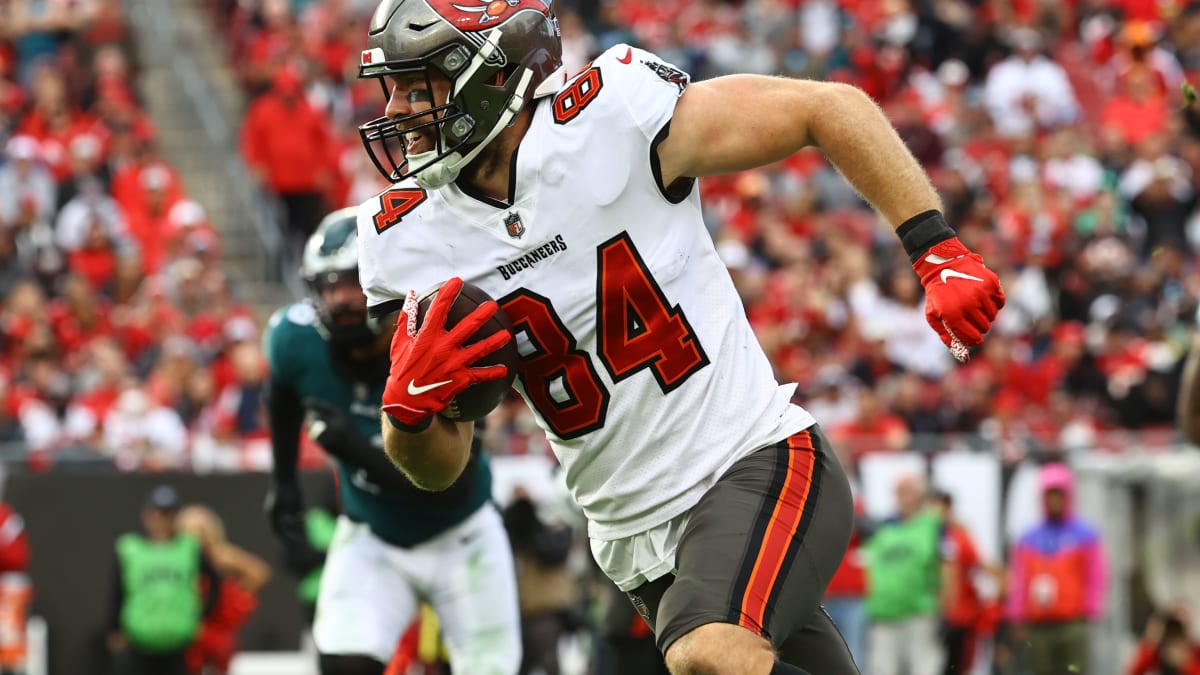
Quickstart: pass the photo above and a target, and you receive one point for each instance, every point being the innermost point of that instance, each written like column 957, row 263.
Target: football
column 479, row 399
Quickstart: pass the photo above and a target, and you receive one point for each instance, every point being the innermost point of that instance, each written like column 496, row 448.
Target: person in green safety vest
column 905, row 571
column 158, row 607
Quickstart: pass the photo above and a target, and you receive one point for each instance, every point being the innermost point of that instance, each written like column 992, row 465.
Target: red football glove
column 962, row 296
column 431, row 366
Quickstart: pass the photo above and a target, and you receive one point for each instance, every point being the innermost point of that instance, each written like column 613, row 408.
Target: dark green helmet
column 331, row 258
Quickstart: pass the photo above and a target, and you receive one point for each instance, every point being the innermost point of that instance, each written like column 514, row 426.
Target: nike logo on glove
column 947, row 274
column 415, row 390
column 935, row 259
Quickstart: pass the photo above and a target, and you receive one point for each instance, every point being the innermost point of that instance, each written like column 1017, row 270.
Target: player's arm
column 250, row 571
column 285, row 417
column 212, row 589
column 285, row 500
column 429, row 367
column 742, row 121
column 1188, row 406
column 332, row 428
column 285, row 411
column 432, row 458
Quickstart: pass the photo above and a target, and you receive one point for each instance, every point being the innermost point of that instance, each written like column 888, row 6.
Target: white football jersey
column 636, row 354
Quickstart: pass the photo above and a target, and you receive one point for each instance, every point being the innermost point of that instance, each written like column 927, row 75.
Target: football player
column 711, row 499
column 395, row 545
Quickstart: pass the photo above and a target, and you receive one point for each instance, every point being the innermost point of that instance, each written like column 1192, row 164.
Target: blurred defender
column 395, row 544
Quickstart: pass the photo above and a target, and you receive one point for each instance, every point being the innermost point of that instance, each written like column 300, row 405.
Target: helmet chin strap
column 444, row 171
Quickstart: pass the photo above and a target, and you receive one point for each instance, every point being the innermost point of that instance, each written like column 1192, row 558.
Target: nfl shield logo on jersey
column 512, row 223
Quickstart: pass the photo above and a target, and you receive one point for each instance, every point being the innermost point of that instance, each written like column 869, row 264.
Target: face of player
column 343, row 299
column 411, row 95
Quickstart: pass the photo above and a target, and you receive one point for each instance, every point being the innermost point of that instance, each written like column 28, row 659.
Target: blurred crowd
column 1056, row 132
column 122, row 339
column 1059, row 138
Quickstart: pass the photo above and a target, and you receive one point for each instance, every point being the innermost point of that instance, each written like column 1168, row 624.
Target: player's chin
column 348, row 317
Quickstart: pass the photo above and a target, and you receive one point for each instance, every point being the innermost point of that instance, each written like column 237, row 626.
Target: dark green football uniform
column 300, row 360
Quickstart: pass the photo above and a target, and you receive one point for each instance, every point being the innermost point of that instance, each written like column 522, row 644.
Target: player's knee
column 342, row 664
column 719, row 649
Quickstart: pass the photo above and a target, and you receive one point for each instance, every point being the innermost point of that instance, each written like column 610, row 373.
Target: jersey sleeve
column 648, row 85
column 641, row 90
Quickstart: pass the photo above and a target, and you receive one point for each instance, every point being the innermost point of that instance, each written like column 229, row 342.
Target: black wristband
column 407, row 429
column 922, row 232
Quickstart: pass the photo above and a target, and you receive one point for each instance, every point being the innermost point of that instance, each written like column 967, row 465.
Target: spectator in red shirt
column 78, row 317
column 962, row 606
column 103, row 378
column 15, row 590
column 1166, row 647
column 1139, row 110
column 272, row 44
column 14, row 542
column 177, row 359
column 55, row 132
column 149, row 225
column 242, row 574
column 293, row 165
column 96, row 258
column 129, row 182
column 874, row 429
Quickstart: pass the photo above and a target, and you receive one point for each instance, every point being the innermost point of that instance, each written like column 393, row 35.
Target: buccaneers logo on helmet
column 482, row 14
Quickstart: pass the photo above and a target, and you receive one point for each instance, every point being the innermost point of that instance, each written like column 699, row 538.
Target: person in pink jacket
column 1058, row 578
